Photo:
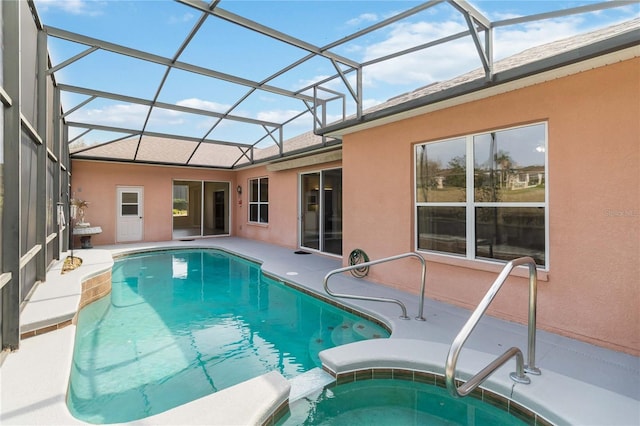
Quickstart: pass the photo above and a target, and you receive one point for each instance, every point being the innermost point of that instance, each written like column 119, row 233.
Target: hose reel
column 358, row 256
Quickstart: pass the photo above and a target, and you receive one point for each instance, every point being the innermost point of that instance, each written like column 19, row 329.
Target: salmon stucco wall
column 97, row 182
column 284, row 221
column 591, row 290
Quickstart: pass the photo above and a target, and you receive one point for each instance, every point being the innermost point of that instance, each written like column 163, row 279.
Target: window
column 259, row 200
column 483, row 196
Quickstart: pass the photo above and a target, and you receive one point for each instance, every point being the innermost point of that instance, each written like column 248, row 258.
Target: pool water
column 183, row 324
column 386, row 402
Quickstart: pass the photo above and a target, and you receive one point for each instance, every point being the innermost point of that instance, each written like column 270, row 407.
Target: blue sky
column 160, row 27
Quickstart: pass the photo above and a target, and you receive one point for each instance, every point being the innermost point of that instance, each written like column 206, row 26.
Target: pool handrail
column 420, row 316
column 517, row 376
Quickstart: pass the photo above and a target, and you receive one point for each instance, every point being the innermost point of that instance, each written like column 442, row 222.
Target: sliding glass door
column 200, row 209
column 321, row 211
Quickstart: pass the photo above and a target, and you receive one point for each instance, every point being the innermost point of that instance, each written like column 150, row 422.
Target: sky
column 161, row 26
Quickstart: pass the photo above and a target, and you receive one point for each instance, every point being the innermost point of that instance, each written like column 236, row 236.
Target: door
column 129, row 216
column 332, row 211
column 219, row 208
column 310, row 211
column 321, row 211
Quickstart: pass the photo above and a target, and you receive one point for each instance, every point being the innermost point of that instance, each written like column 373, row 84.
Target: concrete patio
column 580, row 383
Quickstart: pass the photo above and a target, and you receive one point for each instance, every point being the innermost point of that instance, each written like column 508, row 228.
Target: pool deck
column 580, row 383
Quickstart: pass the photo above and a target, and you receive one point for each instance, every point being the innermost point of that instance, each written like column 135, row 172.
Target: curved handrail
column 463, row 335
column 381, row 299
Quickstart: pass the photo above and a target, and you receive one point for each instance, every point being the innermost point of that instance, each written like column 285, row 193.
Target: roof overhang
column 616, row 49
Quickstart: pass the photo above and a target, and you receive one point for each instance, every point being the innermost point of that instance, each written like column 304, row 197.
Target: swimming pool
column 395, row 402
column 183, row 324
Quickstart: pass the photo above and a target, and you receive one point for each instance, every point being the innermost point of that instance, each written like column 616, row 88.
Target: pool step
column 366, row 330
column 318, row 343
column 349, row 332
column 308, row 382
column 343, row 334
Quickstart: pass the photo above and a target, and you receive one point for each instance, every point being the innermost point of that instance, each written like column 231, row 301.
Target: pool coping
column 54, row 303
column 46, row 359
column 52, row 306
column 545, row 396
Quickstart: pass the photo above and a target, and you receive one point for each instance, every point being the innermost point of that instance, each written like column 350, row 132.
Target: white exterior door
column 130, row 222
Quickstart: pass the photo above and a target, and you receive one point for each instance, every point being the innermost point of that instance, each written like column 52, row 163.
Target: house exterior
column 593, row 139
column 545, row 164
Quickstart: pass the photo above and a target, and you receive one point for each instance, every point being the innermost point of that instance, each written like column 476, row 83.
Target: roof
column 198, row 147
column 531, row 61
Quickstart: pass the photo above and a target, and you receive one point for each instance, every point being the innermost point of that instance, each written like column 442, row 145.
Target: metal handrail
column 517, row 376
column 420, row 317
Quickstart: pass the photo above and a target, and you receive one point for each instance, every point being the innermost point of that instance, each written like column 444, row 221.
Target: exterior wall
column 283, row 227
column 97, row 183
column 591, row 290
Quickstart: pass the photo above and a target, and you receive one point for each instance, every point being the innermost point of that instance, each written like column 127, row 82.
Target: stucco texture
column 591, row 290
column 97, row 182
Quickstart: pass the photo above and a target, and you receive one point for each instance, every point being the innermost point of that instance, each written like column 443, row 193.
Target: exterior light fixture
column 239, row 189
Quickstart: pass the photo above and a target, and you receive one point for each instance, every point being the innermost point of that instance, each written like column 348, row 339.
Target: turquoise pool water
column 386, row 402
column 183, row 324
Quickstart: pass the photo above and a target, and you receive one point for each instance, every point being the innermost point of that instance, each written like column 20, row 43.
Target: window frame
column 259, row 203
column 470, row 204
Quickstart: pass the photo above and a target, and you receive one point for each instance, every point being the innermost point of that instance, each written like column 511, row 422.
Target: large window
column 259, row 200
column 483, row 196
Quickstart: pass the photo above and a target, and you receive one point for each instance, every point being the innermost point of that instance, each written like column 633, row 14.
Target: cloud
column 277, row 116
column 405, row 35
column 515, row 39
column 423, row 67
column 129, row 116
column 185, row 17
column 204, row 105
column 74, row 7
column 363, row 18
column 120, row 115
column 454, row 58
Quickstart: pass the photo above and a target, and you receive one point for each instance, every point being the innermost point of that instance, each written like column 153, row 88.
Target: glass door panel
column 332, row 211
column 310, row 210
column 216, row 208
column 321, row 211
column 200, row 209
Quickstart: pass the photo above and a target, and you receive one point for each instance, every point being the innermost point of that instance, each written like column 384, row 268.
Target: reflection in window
column 510, row 232
column 179, row 267
column 180, row 199
column 441, row 171
column 505, row 215
column 509, row 166
column 442, row 229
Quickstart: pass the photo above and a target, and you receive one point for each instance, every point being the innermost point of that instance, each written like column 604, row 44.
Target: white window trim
column 259, row 203
column 470, row 260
